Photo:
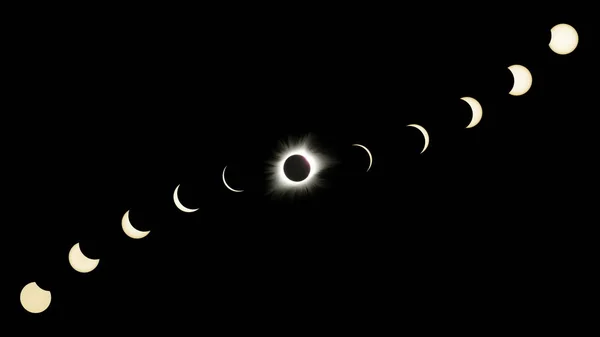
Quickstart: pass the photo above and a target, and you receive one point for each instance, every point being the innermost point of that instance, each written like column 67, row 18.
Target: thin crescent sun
column 368, row 152
column 425, row 135
column 179, row 204
column 227, row 185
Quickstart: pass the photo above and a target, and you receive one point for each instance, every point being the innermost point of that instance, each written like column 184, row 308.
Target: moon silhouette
column 225, row 182
column 35, row 299
column 425, row 135
column 296, row 168
column 131, row 231
column 369, row 153
column 476, row 110
column 179, row 204
column 564, row 39
column 522, row 80
column 80, row 262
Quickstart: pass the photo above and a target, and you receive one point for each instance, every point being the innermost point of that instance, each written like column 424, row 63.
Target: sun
column 279, row 183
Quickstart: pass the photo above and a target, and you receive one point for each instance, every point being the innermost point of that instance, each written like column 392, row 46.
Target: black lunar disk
column 296, row 168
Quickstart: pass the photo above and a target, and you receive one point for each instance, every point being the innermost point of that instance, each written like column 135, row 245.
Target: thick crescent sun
column 476, row 111
column 131, row 231
column 80, row 262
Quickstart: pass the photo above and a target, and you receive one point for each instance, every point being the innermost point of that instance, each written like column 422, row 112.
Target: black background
column 109, row 113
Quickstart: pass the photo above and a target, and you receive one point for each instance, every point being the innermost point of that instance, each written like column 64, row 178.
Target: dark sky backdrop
column 110, row 115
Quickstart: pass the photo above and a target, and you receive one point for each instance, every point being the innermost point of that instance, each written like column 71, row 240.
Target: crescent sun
column 475, row 109
column 522, row 80
column 179, row 204
column 368, row 152
column 225, row 182
column 80, row 262
column 131, row 231
column 425, row 135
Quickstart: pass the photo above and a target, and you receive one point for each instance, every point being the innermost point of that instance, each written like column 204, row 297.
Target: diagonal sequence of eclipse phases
column 296, row 168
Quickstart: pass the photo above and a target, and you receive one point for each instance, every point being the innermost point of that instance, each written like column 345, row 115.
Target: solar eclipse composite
column 275, row 170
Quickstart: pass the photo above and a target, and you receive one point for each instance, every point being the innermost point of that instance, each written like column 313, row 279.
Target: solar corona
column 279, row 183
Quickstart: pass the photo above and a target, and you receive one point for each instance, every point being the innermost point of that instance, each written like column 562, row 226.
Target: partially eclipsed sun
column 279, row 183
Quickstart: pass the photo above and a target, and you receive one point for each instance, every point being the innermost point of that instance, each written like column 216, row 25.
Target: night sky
column 110, row 114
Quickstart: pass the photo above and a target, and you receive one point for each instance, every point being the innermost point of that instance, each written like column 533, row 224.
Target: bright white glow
column 227, row 185
column 280, row 184
column 564, row 39
column 80, row 262
column 522, row 80
column 476, row 109
column 425, row 135
column 131, row 231
column 35, row 299
column 179, row 204
column 368, row 152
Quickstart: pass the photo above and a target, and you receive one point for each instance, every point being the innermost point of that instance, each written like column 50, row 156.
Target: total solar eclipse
column 296, row 168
